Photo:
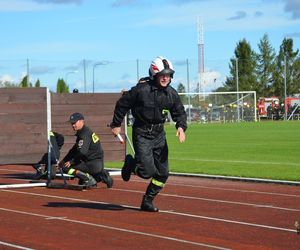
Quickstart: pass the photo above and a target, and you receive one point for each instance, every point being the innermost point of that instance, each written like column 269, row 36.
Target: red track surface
column 195, row 213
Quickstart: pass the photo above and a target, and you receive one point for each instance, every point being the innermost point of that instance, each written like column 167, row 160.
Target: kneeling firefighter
column 85, row 159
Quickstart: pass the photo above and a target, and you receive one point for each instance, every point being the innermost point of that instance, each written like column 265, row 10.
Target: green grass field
column 262, row 150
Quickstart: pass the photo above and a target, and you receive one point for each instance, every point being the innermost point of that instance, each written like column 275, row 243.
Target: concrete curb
column 223, row 177
column 233, row 178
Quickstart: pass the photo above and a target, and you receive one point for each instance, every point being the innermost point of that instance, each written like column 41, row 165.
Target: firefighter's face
column 163, row 80
column 77, row 125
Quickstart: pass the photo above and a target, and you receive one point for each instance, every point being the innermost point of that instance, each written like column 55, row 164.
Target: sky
column 107, row 45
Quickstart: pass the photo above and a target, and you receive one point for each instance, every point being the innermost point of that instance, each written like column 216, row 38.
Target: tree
column 24, row 82
column 287, row 69
column 61, row 86
column 7, row 84
column 37, row 83
column 245, row 62
column 181, row 89
column 295, row 88
column 265, row 66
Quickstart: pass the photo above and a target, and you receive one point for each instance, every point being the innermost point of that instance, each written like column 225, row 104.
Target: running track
column 195, row 213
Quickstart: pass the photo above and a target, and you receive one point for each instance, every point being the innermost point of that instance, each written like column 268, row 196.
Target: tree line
column 61, row 86
column 266, row 72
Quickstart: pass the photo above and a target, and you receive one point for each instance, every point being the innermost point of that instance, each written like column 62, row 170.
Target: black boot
column 38, row 166
column 151, row 192
column 40, row 173
column 86, row 179
column 128, row 167
column 105, row 178
column 147, row 204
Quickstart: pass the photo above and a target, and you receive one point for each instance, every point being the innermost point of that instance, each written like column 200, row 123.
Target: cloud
column 6, row 78
column 238, row 15
column 294, row 34
column 19, row 5
column 128, row 3
column 40, row 70
column 125, row 76
column 212, row 80
column 180, row 63
column 258, row 14
column 33, row 5
column 64, row 48
column 186, row 1
column 59, row 1
column 122, row 3
column 293, row 6
column 72, row 68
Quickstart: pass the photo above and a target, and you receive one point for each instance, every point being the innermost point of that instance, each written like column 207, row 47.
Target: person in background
column 85, row 159
column 56, row 143
column 149, row 100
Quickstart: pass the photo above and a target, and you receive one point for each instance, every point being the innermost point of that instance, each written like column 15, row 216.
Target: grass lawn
column 267, row 149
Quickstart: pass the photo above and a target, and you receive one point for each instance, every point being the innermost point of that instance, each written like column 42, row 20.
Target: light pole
column 68, row 73
column 95, row 65
column 237, row 88
column 285, row 106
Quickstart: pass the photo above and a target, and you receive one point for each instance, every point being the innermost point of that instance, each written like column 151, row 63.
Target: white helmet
column 161, row 65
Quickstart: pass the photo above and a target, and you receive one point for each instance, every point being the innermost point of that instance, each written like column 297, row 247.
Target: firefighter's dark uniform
column 149, row 104
column 87, row 156
column 56, row 143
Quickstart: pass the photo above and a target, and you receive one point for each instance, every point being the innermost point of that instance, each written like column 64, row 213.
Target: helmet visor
column 167, row 71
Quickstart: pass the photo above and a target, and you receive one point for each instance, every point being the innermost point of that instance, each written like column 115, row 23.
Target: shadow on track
column 112, row 207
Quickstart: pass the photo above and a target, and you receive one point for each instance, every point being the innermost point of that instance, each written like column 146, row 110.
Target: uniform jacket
column 148, row 102
column 86, row 148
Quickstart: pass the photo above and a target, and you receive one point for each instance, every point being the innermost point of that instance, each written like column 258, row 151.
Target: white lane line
column 112, row 172
column 224, row 189
column 56, row 218
column 195, row 186
column 162, row 211
column 243, row 191
column 267, row 206
column 218, row 201
column 14, row 246
column 236, row 222
column 23, row 185
column 116, row 228
column 236, row 203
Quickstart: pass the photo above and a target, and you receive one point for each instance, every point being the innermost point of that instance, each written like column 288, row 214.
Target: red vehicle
column 264, row 103
column 292, row 107
column 292, row 101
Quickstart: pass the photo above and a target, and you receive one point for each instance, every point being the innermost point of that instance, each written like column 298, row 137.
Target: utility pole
column 237, row 88
column 84, row 75
column 200, row 57
column 137, row 70
column 28, row 82
column 188, row 88
column 285, row 68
